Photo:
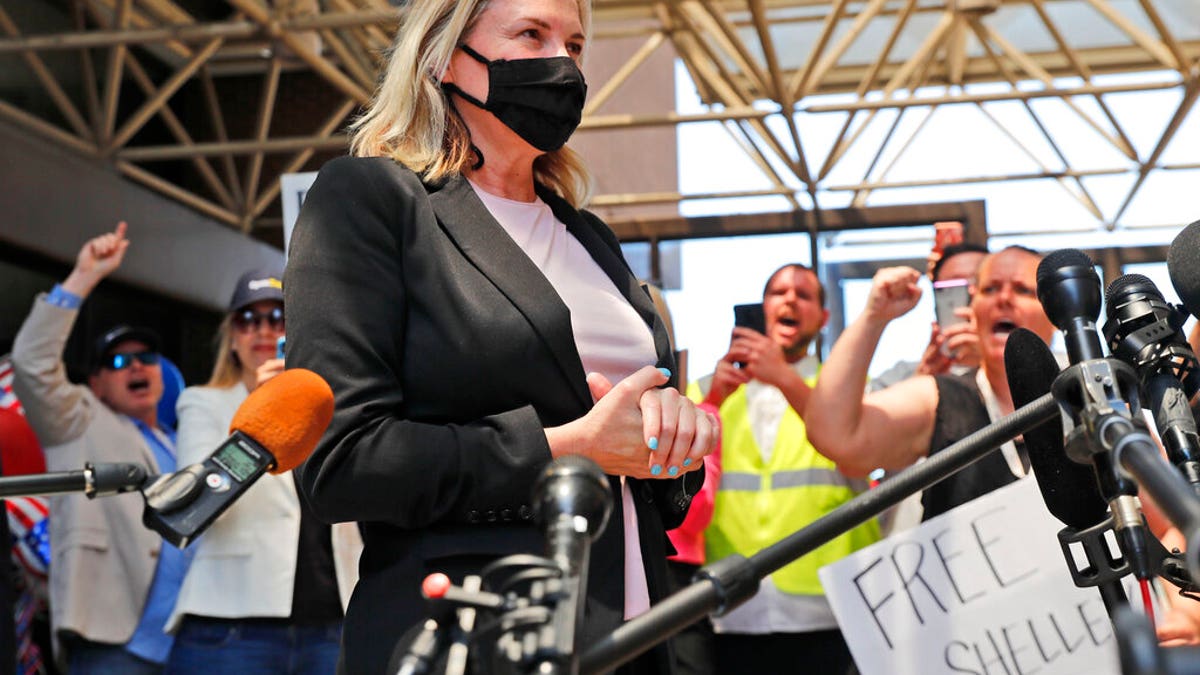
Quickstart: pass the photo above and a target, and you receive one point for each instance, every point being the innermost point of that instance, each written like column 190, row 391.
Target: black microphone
column 94, row 480
column 1183, row 264
column 1069, row 290
column 572, row 501
column 1144, row 330
column 1068, row 488
column 1092, row 389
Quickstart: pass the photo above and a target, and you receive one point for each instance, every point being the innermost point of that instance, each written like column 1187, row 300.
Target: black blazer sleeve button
column 490, row 516
column 506, row 514
column 524, row 512
column 472, row 516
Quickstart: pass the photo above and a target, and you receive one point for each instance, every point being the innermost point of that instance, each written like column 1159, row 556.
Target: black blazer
column 448, row 353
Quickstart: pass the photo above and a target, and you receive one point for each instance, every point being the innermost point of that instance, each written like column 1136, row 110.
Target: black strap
column 451, row 87
column 474, row 54
column 454, row 89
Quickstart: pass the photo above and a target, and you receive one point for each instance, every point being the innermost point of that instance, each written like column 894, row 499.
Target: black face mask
column 540, row 99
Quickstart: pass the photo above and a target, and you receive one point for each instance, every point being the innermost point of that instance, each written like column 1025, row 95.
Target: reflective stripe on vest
column 753, row 482
column 758, row 504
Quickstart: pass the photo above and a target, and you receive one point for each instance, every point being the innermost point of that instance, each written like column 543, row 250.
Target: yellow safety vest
column 757, row 505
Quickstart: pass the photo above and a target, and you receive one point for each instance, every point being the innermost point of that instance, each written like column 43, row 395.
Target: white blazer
column 245, row 563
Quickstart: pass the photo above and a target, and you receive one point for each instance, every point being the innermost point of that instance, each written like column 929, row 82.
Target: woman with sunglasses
column 265, row 592
column 474, row 324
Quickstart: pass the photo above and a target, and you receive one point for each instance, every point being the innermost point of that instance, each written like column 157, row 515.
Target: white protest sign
column 981, row 589
column 292, row 188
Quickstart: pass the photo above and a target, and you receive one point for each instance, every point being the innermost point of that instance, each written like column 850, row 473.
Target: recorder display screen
column 236, row 460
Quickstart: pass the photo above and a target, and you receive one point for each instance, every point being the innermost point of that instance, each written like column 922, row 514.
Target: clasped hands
column 639, row 429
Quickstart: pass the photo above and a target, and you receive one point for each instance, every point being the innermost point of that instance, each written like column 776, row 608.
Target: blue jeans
column 205, row 646
column 85, row 657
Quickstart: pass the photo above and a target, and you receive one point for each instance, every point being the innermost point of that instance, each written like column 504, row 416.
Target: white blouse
column 610, row 336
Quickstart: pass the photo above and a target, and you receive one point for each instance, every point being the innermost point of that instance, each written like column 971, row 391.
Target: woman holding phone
column 266, row 589
column 474, row 324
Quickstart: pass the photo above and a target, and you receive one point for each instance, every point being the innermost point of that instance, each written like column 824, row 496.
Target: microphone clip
column 1148, row 334
column 1102, row 413
column 1092, row 394
column 1102, row 568
column 102, row 480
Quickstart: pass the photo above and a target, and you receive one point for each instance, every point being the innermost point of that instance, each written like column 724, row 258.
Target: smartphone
column 946, row 234
column 948, row 296
column 280, row 344
column 750, row 316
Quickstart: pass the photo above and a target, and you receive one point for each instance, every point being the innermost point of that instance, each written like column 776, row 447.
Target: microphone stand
column 728, row 582
column 538, row 601
column 1137, row 453
column 1106, row 436
column 95, row 480
column 529, row 621
column 448, row 629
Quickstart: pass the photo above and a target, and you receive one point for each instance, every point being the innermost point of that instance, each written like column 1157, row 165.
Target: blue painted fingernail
column 673, row 471
column 665, row 371
column 687, row 462
column 656, row 469
column 652, row 443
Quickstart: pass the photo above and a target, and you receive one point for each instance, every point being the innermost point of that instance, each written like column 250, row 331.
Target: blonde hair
column 227, row 369
column 411, row 120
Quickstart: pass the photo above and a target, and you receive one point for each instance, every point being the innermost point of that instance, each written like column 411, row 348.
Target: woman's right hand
column 629, row 418
column 266, row 371
column 957, row 344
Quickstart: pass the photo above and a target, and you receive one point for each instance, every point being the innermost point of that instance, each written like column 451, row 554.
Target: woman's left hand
column 957, row 344
column 679, row 434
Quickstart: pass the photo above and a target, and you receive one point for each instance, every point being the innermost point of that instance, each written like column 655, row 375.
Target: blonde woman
column 265, row 592
column 474, row 324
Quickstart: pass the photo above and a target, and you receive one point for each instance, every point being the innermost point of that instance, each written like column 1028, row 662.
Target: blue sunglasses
column 123, row 361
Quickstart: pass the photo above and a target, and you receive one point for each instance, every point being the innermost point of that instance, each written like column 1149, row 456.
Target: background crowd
column 475, row 322
column 266, row 587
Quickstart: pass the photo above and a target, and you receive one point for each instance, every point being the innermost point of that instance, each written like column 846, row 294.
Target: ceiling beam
column 1013, row 95
column 194, row 32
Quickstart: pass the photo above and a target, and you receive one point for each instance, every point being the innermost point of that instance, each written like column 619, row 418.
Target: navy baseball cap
column 258, row 284
column 122, row 333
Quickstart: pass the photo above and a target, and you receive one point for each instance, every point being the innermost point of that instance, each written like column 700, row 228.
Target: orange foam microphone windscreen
column 287, row 416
